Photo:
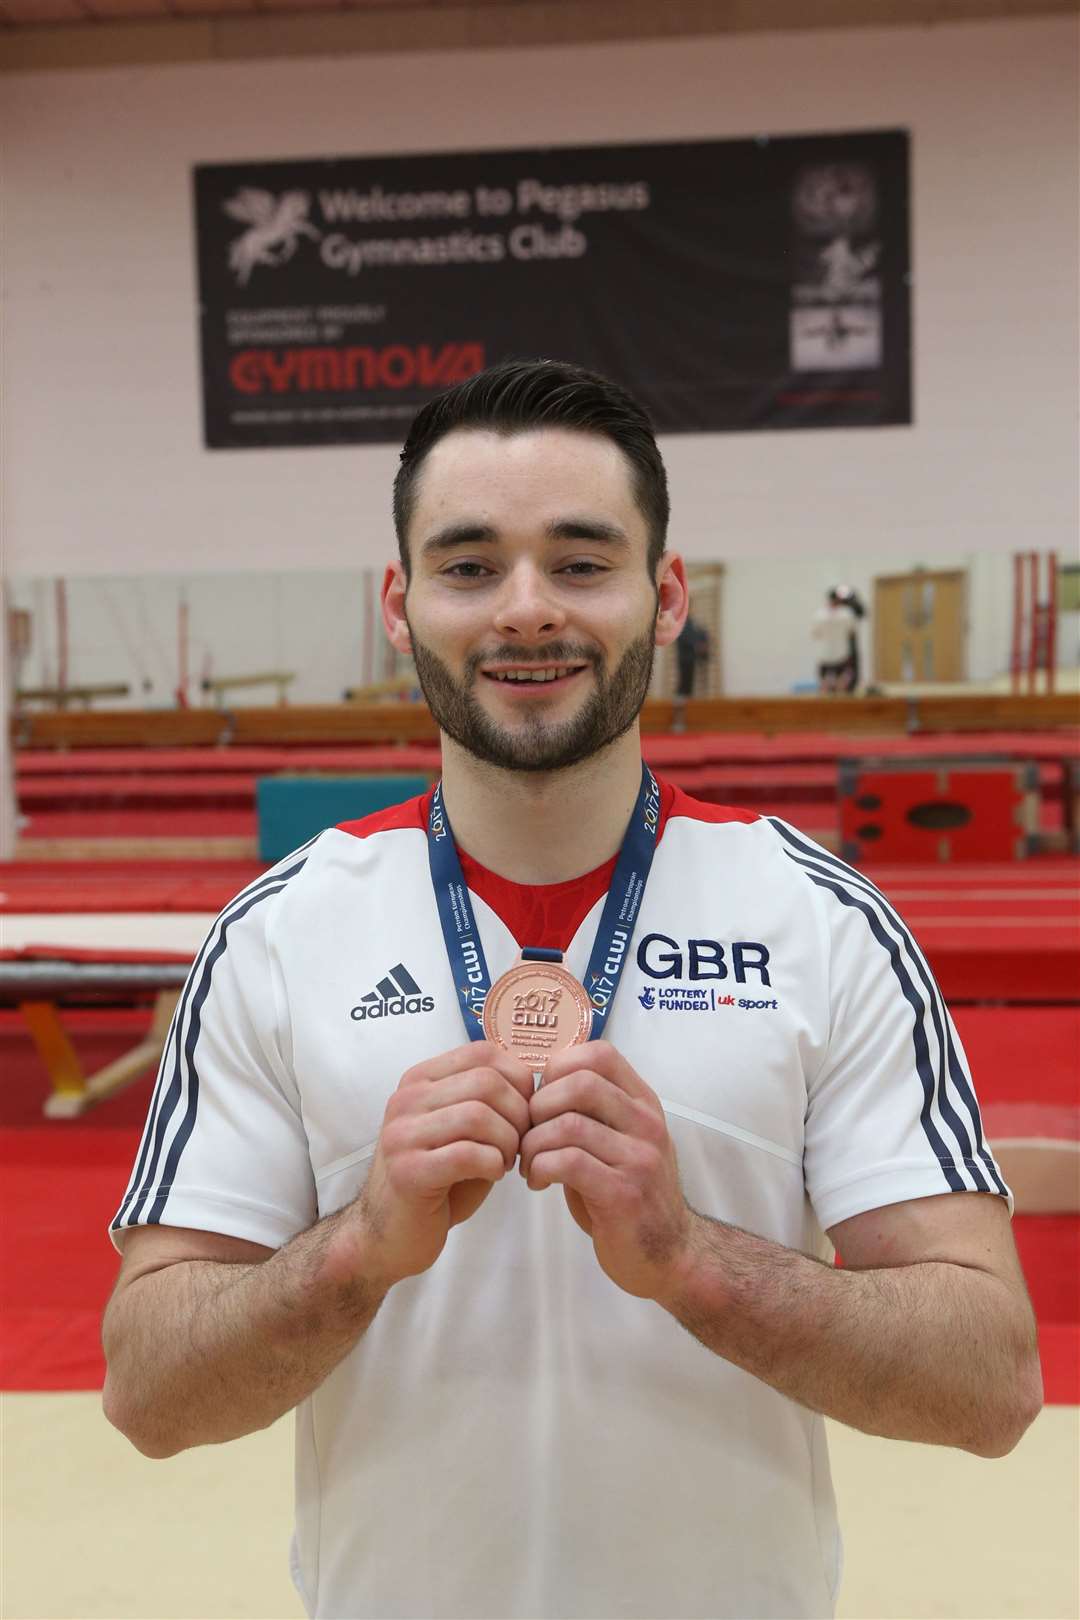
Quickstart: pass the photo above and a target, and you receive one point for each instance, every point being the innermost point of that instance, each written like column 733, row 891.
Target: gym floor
column 94, row 1530
column 91, row 1529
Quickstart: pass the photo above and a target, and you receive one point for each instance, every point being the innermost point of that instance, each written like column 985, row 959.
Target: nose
column 527, row 607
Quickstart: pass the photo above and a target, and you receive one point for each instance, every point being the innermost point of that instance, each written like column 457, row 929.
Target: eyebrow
column 567, row 528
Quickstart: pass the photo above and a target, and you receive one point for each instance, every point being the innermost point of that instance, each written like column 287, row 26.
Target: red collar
column 548, row 914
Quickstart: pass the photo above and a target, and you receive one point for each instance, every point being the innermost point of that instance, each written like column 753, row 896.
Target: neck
column 542, row 826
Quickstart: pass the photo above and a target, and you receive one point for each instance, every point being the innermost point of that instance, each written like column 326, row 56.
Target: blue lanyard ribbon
column 621, row 908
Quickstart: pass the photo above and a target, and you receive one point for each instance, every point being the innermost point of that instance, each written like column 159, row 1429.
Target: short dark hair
column 522, row 394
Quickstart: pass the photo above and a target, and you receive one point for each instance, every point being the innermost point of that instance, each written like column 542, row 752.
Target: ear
column 394, row 586
column 673, row 594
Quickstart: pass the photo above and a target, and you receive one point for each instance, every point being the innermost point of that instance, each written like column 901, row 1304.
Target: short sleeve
column 892, row 1112
column 224, row 1147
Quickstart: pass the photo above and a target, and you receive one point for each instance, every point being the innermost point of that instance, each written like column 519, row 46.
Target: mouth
column 534, row 677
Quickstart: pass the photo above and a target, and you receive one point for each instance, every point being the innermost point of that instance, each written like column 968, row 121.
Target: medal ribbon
column 462, row 937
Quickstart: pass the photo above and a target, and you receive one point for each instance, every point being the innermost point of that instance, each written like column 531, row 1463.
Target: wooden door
column 920, row 624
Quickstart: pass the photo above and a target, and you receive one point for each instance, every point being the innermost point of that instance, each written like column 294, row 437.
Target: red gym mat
column 991, row 933
column 169, row 820
column 663, row 751
column 59, row 1266
column 1023, row 1054
column 721, row 767
column 406, row 757
column 175, row 817
column 78, row 886
column 63, row 1180
column 1008, row 932
column 808, row 781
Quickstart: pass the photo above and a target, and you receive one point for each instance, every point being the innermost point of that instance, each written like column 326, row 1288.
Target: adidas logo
column 398, row 993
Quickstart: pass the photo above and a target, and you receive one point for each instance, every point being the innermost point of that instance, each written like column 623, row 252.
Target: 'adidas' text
column 398, row 993
column 393, row 1008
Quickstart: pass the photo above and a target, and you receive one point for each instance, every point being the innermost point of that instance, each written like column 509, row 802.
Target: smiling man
column 561, row 1349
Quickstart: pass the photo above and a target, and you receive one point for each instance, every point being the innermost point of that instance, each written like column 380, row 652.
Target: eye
column 583, row 569
column 466, row 570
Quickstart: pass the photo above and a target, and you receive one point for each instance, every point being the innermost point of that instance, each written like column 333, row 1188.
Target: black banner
column 728, row 284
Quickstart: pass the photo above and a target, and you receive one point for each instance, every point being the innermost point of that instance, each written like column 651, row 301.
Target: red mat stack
column 114, row 793
column 1002, row 938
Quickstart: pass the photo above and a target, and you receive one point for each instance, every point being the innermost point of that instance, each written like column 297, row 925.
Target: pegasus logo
column 274, row 227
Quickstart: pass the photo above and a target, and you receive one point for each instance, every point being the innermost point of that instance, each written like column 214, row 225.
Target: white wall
column 768, row 607
column 103, row 470
column 313, row 623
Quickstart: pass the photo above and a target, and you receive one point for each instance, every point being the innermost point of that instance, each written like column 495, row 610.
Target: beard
column 535, row 744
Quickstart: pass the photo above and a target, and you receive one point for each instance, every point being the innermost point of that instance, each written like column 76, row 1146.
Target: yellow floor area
column 93, row 1531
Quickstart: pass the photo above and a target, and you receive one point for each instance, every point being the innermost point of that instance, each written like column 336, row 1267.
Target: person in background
column 835, row 626
column 692, row 651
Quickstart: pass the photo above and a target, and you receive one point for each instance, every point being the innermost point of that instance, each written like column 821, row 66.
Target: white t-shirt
column 515, row 1436
column 834, row 628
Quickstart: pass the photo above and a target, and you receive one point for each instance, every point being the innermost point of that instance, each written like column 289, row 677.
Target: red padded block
column 944, row 810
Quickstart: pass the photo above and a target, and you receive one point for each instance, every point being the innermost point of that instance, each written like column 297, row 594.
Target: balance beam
column 37, row 987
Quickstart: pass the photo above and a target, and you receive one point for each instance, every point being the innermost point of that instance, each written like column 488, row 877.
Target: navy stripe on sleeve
column 178, row 1059
column 950, row 1088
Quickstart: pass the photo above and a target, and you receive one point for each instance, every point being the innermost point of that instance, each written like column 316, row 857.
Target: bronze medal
column 535, row 1009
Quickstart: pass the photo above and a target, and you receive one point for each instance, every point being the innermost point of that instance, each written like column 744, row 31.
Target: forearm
column 934, row 1352
column 200, row 1352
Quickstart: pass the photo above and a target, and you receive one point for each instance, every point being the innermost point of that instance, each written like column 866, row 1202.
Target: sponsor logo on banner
column 835, row 198
column 338, row 294
column 328, row 370
column 835, row 319
column 846, row 338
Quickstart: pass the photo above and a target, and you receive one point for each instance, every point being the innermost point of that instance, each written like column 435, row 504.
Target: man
column 501, row 1412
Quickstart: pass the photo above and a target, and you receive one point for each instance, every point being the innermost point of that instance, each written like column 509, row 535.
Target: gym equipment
column 944, row 809
column 292, row 809
column 39, row 984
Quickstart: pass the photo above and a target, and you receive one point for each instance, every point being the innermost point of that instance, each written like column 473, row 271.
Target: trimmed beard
column 536, row 745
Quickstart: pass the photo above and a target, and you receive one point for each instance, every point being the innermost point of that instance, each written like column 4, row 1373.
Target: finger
column 602, row 1058
column 579, row 1131
column 470, row 1121
column 584, row 1092
column 572, row 1167
column 519, row 1074
column 444, row 1167
column 482, row 1085
column 473, row 1054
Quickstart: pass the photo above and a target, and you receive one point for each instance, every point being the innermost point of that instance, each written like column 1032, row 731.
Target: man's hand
column 450, row 1131
column 600, row 1131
